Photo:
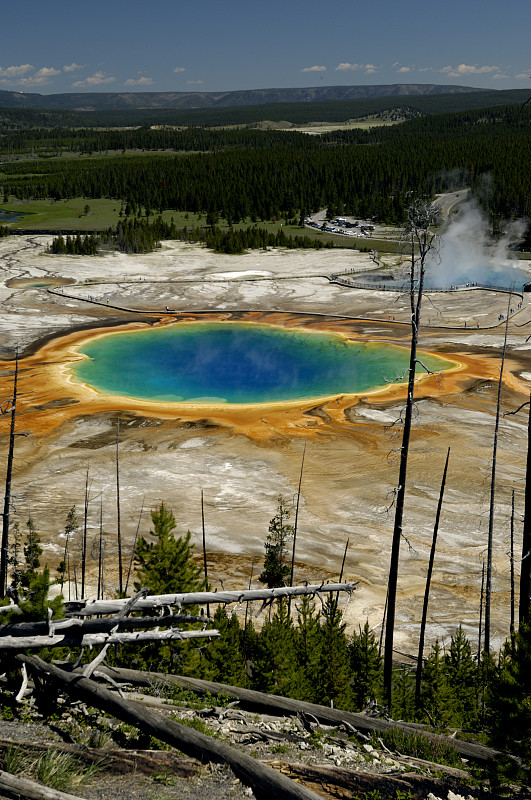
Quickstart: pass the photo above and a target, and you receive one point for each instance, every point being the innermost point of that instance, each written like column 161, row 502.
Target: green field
column 69, row 215
column 65, row 214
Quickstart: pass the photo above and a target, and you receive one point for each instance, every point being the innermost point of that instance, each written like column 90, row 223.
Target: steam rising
column 468, row 254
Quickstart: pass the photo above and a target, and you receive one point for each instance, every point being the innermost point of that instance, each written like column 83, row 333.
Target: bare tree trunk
column 488, row 583
column 341, row 571
column 421, row 218
column 511, row 627
column 134, row 546
column 481, row 598
column 525, row 570
column 244, row 644
column 65, row 563
column 84, row 545
column 100, row 555
column 382, row 632
column 418, row 677
column 205, row 569
column 118, row 528
column 295, row 527
column 7, row 495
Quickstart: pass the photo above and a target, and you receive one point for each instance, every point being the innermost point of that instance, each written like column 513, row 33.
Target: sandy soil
column 244, row 459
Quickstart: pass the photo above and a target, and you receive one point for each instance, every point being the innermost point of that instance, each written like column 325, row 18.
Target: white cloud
column 43, row 75
column 500, row 76
column 73, row 67
column 316, row 68
column 523, row 75
column 404, row 69
column 8, row 73
column 180, row 69
column 98, row 79
column 18, row 75
column 142, row 81
column 345, row 66
column 190, row 83
column 468, row 69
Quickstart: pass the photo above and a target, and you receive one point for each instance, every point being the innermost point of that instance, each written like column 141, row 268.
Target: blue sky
column 210, row 45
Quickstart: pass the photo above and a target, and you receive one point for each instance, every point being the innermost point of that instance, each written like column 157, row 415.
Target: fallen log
column 267, row 784
column 90, row 607
column 22, row 787
column 276, row 705
column 74, row 626
column 19, row 643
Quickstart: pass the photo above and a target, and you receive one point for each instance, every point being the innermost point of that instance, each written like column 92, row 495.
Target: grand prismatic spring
column 238, row 363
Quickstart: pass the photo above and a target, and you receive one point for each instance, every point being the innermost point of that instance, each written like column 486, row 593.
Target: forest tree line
column 257, row 175
column 139, row 235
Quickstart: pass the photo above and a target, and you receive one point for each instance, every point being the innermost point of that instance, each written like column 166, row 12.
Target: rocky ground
column 244, row 460
column 333, row 761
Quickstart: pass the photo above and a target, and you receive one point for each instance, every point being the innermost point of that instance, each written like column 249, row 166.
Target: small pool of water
column 237, row 363
column 11, row 216
column 36, row 283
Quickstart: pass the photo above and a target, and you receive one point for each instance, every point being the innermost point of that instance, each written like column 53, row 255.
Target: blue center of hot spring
column 237, row 363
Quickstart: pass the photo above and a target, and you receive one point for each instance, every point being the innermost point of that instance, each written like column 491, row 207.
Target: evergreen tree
column 166, row 566
column 14, row 561
column 462, row 679
column 308, row 645
column 70, row 528
column 332, row 678
column 276, row 561
column 222, row 660
column 434, row 690
column 29, row 587
column 509, row 705
column 35, row 604
column 32, row 553
column 366, row 668
column 403, row 706
column 275, row 669
column 250, row 646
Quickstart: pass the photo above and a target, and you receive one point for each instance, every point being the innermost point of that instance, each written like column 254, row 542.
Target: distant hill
column 115, row 101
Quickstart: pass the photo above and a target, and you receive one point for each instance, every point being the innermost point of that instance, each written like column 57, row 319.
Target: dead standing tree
column 421, row 218
column 524, row 609
column 8, row 406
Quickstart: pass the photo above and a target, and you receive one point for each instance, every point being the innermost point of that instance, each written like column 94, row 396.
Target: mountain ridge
column 92, row 101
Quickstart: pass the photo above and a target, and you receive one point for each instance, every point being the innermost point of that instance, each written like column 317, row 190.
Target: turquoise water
column 237, row 363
